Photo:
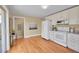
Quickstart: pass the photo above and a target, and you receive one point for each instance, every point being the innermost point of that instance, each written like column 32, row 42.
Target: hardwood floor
column 37, row 45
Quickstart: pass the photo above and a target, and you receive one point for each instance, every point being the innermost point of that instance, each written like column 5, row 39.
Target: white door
column 19, row 27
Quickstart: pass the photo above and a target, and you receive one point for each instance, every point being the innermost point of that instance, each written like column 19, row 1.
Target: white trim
column 32, row 35
column 24, row 27
column 3, row 35
column 14, row 22
column 7, row 30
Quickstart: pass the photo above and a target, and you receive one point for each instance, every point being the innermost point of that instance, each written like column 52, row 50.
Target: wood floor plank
column 37, row 45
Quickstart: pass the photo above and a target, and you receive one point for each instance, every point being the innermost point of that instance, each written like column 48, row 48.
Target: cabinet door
column 60, row 38
column 54, row 19
column 73, row 41
column 52, row 35
column 73, row 15
column 65, row 16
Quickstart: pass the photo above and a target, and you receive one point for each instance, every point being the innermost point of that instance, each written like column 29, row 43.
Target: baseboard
column 32, row 35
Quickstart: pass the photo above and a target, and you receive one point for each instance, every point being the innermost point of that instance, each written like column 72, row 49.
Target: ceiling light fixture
column 44, row 6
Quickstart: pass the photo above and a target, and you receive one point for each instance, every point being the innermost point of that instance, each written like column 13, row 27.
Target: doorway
column 18, row 26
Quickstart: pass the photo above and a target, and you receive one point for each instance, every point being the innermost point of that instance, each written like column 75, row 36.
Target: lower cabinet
column 73, row 41
column 51, row 35
column 60, row 38
column 65, row 39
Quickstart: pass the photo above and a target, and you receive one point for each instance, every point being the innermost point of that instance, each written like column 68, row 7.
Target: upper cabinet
column 65, row 15
column 62, row 16
column 73, row 15
column 54, row 19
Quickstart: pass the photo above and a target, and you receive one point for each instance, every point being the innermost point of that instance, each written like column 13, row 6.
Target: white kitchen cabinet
column 65, row 14
column 52, row 35
column 73, row 41
column 60, row 38
column 54, row 19
column 73, row 15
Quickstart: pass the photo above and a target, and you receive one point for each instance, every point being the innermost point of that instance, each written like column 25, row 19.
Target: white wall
column 27, row 21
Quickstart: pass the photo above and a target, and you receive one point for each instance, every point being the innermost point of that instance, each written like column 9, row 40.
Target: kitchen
column 63, row 28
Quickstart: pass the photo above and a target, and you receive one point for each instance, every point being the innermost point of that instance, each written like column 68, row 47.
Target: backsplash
column 67, row 28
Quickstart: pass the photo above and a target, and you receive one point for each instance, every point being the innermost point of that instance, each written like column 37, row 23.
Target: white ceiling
column 35, row 10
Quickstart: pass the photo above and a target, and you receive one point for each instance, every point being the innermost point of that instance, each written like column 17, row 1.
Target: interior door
column 19, row 27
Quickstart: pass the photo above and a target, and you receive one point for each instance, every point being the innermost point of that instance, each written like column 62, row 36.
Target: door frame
column 14, row 22
column 5, row 42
